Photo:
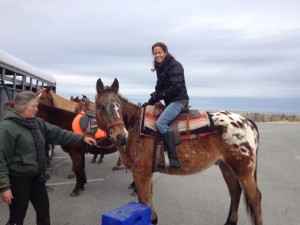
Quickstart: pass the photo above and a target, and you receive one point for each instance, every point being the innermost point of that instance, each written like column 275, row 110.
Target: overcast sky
column 230, row 48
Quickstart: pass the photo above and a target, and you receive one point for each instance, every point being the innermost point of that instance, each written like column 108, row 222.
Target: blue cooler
column 131, row 214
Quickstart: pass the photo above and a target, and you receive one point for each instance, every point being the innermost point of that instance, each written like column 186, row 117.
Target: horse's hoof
column 154, row 220
column 118, row 168
column 70, row 176
column 93, row 161
column 134, row 193
column 228, row 222
column 100, row 161
column 74, row 193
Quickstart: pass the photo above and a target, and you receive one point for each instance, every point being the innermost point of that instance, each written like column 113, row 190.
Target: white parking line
column 72, row 182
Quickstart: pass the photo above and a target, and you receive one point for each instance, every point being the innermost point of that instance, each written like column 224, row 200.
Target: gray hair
column 22, row 99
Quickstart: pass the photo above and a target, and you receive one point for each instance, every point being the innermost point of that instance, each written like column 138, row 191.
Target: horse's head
column 109, row 112
column 83, row 104
column 44, row 95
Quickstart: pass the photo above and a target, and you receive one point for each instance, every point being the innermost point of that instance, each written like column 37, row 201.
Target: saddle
column 189, row 124
column 85, row 123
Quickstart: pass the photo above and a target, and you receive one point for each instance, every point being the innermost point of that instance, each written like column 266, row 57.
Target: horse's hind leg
column 252, row 198
column 101, row 159
column 94, row 159
column 235, row 191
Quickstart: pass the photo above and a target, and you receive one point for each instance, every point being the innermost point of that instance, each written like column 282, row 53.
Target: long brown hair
column 164, row 48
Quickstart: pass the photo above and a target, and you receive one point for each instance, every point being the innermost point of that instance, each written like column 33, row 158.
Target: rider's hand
column 157, row 95
column 145, row 104
column 151, row 101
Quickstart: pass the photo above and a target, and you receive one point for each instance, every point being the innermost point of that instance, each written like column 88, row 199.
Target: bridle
column 110, row 125
column 115, row 123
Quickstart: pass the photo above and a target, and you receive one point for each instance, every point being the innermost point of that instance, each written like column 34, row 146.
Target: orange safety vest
column 77, row 129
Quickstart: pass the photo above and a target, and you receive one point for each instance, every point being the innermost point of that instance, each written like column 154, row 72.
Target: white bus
column 16, row 76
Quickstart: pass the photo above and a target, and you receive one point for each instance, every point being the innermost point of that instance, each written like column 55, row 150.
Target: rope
column 6, row 91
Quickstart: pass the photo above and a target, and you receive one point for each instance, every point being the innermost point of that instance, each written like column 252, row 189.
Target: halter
column 118, row 122
column 110, row 125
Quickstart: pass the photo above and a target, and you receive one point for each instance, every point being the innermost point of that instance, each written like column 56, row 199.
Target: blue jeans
column 168, row 115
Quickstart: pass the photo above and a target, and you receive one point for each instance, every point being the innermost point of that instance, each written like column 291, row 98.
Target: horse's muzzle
column 121, row 140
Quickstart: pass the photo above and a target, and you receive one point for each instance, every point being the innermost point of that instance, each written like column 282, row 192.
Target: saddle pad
column 77, row 129
column 197, row 119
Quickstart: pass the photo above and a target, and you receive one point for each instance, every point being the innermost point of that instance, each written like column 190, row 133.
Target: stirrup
column 175, row 166
column 169, row 163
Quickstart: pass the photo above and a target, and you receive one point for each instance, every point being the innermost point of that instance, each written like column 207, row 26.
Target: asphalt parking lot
column 199, row 199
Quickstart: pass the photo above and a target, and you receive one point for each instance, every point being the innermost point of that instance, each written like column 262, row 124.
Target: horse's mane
column 130, row 111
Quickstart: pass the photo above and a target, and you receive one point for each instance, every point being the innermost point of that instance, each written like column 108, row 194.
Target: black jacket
column 170, row 80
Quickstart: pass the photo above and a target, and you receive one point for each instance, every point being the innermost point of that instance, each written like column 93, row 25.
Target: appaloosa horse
column 233, row 147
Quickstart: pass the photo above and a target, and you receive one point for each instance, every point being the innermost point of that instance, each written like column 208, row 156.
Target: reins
column 102, row 139
column 136, row 150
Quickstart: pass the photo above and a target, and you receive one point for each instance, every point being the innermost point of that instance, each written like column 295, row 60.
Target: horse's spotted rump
column 238, row 132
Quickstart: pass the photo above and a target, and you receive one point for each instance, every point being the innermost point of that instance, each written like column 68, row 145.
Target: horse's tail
column 256, row 128
column 247, row 205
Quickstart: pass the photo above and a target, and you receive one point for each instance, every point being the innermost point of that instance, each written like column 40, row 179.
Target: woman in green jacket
column 23, row 158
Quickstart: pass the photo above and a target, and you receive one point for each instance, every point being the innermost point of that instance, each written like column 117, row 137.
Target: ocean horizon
column 232, row 104
column 247, row 105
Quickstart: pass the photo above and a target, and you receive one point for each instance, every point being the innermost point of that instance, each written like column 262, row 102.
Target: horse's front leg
column 119, row 164
column 235, row 191
column 144, row 186
column 72, row 174
column 79, row 169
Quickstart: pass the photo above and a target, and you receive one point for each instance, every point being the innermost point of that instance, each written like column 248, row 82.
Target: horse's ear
column 99, row 86
column 115, row 86
column 48, row 88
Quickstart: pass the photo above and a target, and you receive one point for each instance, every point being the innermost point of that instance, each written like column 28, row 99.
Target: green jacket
column 18, row 154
